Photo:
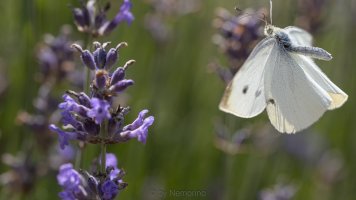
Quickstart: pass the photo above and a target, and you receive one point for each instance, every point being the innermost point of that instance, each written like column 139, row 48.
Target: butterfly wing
column 244, row 96
column 300, row 37
column 294, row 100
column 338, row 96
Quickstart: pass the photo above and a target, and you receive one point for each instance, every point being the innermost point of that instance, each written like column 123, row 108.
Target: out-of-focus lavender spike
column 123, row 15
column 236, row 38
column 91, row 18
column 311, row 14
column 279, row 191
column 157, row 22
column 80, row 19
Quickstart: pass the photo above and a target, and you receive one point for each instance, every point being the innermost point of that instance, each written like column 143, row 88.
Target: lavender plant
column 94, row 118
column 310, row 15
column 56, row 64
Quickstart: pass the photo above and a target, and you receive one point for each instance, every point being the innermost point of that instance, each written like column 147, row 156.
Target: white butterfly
column 280, row 74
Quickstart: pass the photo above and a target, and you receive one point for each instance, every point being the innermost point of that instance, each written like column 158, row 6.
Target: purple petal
column 99, row 111
column 68, row 178
column 109, row 190
column 111, row 160
column 141, row 132
column 64, row 137
column 138, row 122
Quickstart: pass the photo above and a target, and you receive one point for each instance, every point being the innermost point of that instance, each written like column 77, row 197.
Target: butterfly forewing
column 244, row 96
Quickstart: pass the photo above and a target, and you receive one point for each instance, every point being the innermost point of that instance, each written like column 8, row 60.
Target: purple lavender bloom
column 109, row 190
column 85, row 114
column 99, row 111
column 139, row 128
column 70, row 104
column 123, row 15
column 64, row 137
column 138, row 121
column 68, row 119
column 68, row 178
column 66, row 195
column 111, row 161
column 73, row 184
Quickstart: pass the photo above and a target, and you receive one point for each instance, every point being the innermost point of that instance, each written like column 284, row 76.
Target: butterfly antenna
column 270, row 10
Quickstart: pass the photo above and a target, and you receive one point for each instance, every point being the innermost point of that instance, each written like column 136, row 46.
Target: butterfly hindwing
column 301, row 37
column 294, row 101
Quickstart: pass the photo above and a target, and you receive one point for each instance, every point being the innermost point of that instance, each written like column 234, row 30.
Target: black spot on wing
column 245, row 89
column 271, row 101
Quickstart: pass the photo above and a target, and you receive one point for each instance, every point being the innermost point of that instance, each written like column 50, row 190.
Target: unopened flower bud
column 111, row 58
column 117, row 76
column 79, row 18
column 121, row 86
column 100, row 79
column 100, row 57
column 87, row 57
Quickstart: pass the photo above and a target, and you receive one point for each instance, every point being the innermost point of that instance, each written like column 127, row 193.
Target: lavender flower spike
column 99, row 111
column 123, row 15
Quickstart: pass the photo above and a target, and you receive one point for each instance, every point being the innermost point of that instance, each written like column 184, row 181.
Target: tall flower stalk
column 95, row 118
column 90, row 18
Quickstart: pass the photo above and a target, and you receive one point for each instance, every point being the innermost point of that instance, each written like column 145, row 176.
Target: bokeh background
column 192, row 146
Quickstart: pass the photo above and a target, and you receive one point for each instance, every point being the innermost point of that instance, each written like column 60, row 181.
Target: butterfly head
column 269, row 30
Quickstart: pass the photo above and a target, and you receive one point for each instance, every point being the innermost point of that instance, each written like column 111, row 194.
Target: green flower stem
column 103, row 133
column 80, row 151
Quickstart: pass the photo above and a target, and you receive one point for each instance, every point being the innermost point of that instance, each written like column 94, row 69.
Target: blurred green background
column 174, row 82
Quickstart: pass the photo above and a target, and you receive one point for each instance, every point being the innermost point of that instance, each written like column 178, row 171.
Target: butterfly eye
column 286, row 45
